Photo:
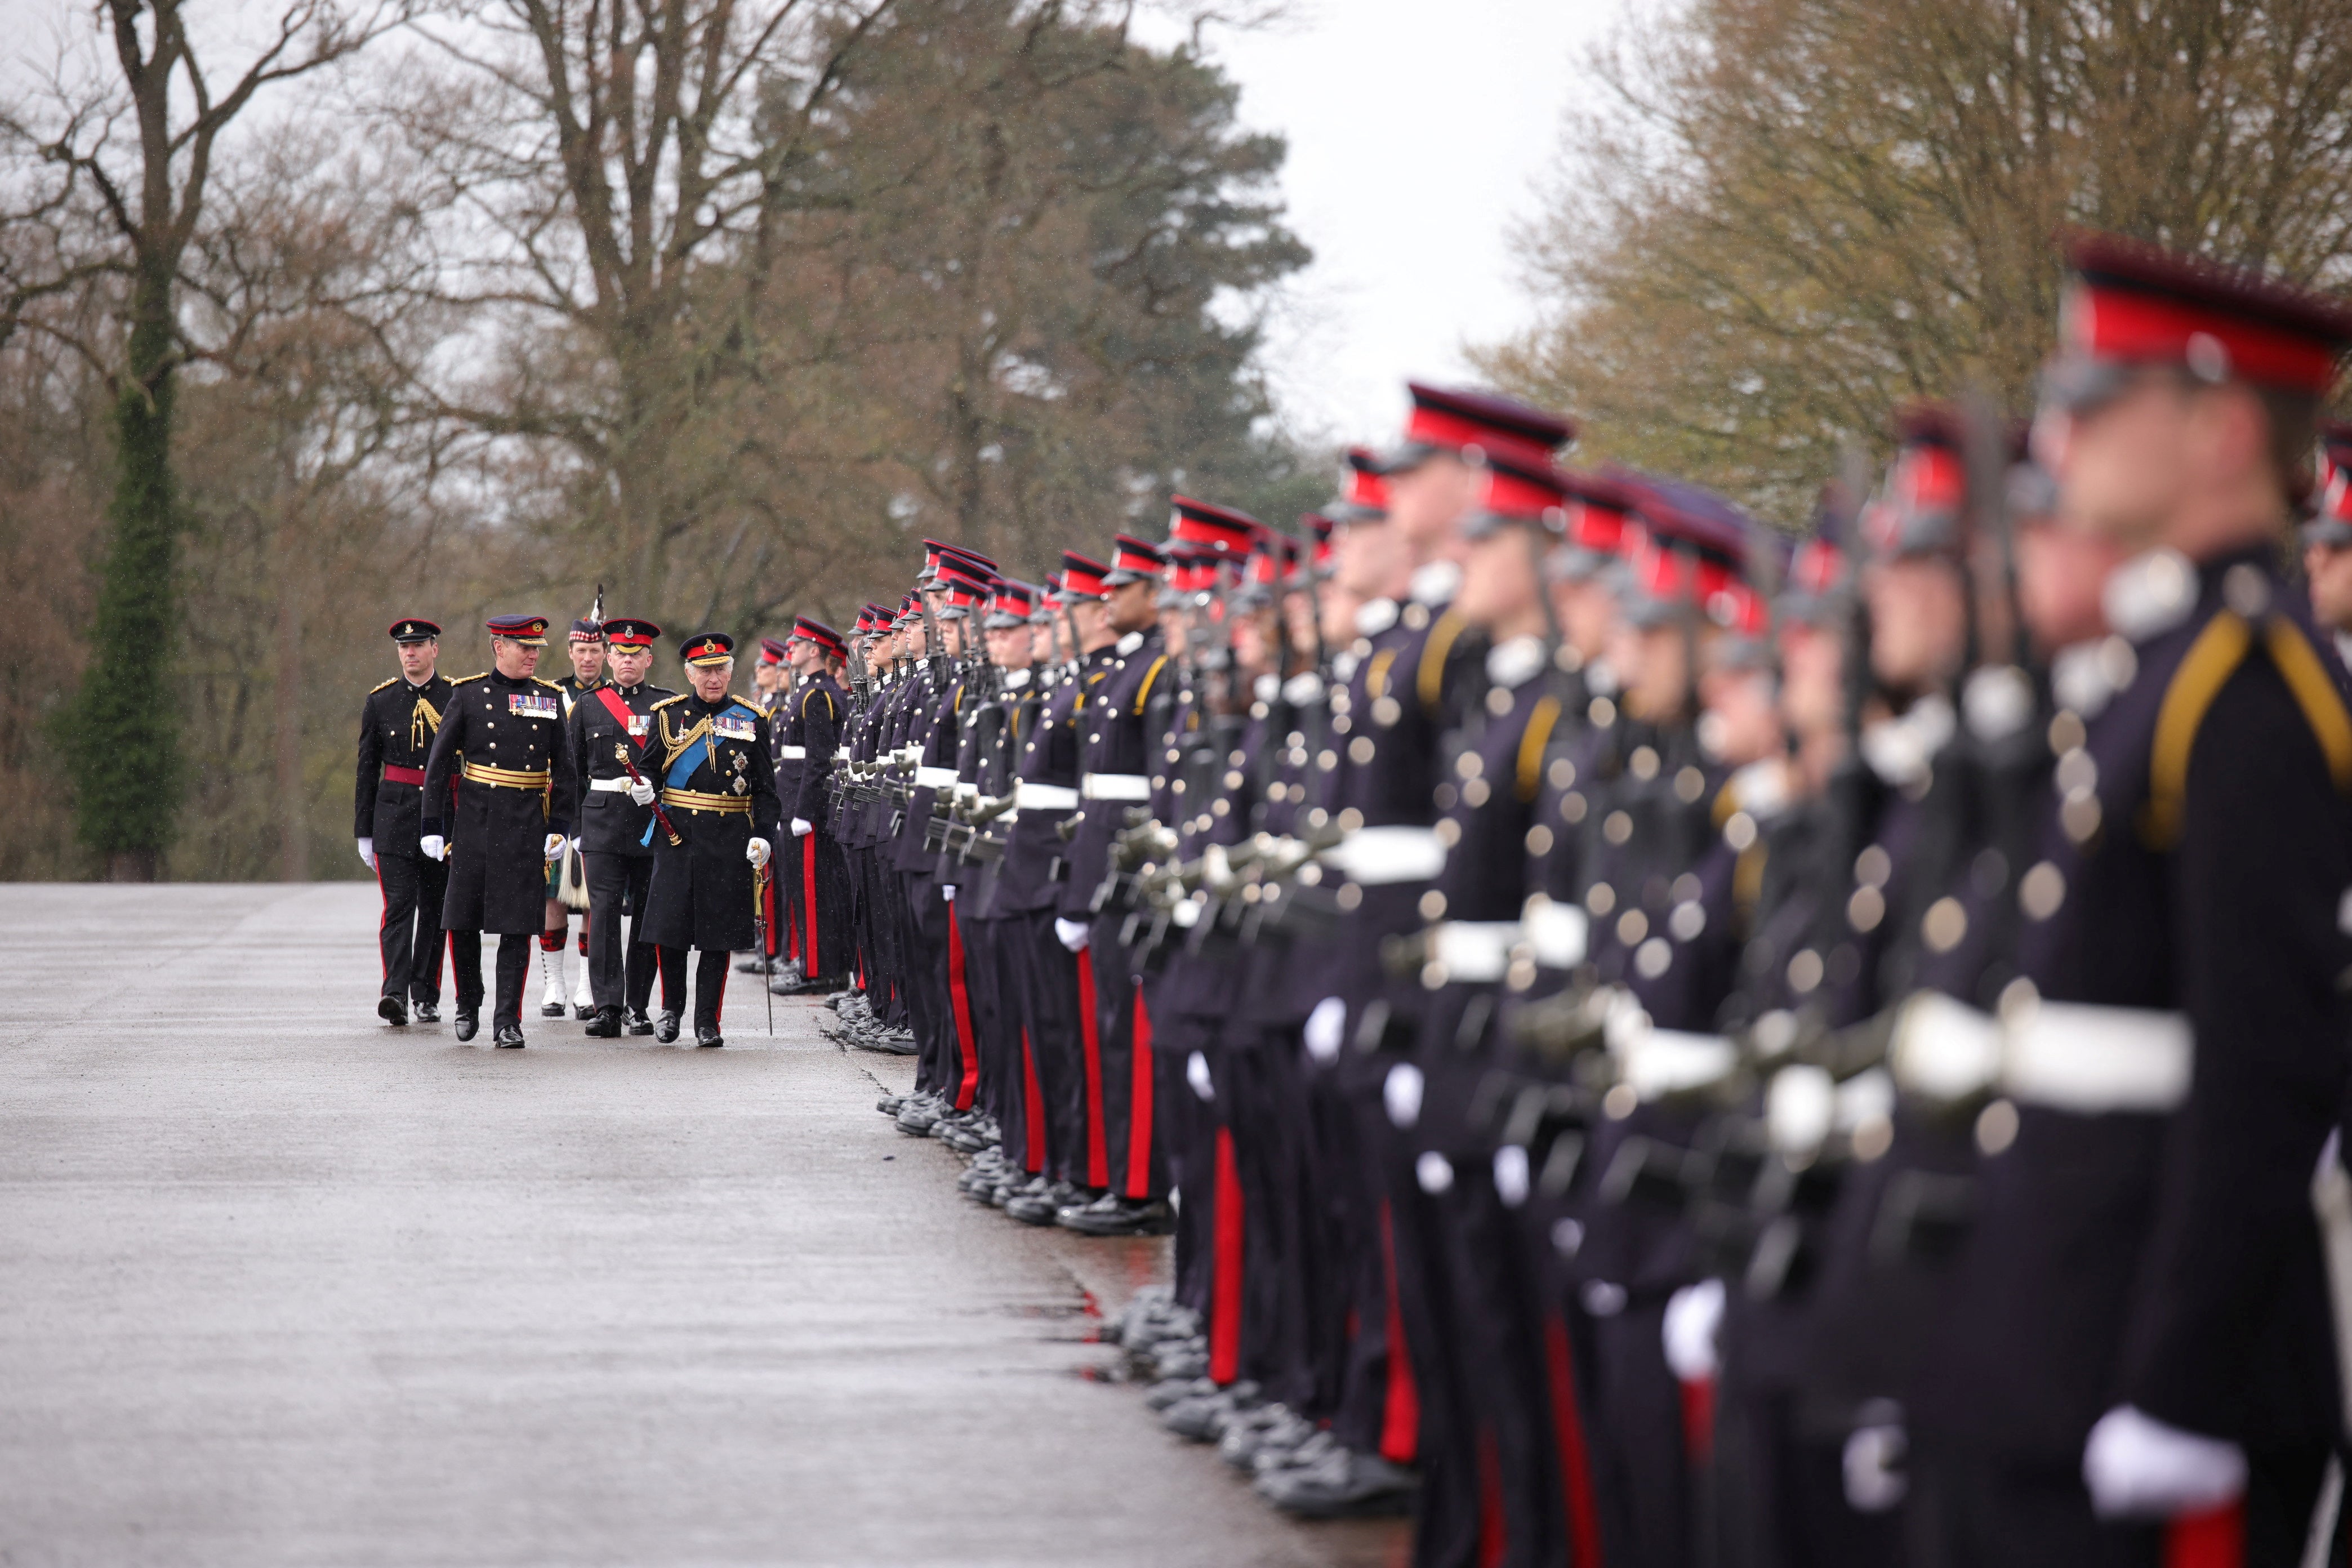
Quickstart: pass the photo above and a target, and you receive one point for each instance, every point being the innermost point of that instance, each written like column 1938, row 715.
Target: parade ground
column 279, row 1284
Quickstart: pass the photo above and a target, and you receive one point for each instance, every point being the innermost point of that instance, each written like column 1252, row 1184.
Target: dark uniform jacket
column 610, row 823
column 2168, row 1259
column 702, row 894
column 497, row 832
column 815, row 715
column 1048, row 758
column 1117, row 743
column 397, row 724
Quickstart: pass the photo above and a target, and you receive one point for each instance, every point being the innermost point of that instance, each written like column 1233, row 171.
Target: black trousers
column 923, row 945
column 466, row 969
column 1046, row 975
column 711, row 966
column 410, row 932
column 618, row 974
column 1133, row 1080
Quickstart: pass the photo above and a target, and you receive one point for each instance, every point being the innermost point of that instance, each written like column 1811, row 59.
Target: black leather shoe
column 706, row 1037
column 392, row 1012
column 667, row 1030
column 428, row 1012
column 639, row 1023
column 583, row 1014
column 605, row 1026
column 1117, row 1216
column 805, row 987
column 751, row 964
column 507, row 1038
column 466, row 1025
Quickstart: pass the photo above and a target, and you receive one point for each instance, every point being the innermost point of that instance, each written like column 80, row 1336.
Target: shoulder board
column 469, row 680
column 673, row 697
column 380, row 684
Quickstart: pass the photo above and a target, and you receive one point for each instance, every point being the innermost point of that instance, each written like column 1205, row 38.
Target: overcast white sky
column 1419, row 130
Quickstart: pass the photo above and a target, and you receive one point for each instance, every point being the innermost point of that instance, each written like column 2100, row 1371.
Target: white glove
column 1694, row 1313
column 367, row 853
column 756, row 852
column 803, row 827
column 1073, row 934
column 1874, row 1481
column 947, row 893
column 554, row 846
column 641, row 792
column 433, row 846
column 2139, row 1467
column 1326, row 1029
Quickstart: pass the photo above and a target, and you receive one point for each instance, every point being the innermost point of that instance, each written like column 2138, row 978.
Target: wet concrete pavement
column 281, row 1285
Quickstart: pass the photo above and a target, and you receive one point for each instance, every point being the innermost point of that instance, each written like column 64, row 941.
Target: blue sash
column 682, row 770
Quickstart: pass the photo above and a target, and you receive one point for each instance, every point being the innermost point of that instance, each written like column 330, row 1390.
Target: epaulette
column 674, row 697
column 380, row 684
column 552, row 686
column 467, row 679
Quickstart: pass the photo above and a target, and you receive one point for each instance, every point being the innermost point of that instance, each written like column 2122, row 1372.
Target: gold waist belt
column 700, row 800
column 506, row 778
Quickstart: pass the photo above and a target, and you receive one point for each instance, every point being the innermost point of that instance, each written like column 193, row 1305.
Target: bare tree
column 148, row 187
column 607, row 156
column 1784, row 216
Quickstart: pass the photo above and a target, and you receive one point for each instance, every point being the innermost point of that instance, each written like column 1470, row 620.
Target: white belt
column 792, row 753
column 2073, row 1058
column 935, row 778
column 2063, row 1055
column 1115, row 786
column 613, row 785
column 1477, row 952
column 1377, row 856
column 1045, row 797
column 1558, row 933
column 1674, row 1061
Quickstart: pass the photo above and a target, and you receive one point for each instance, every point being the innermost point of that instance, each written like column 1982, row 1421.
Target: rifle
column 621, row 750
column 861, row 679
column 935, row 650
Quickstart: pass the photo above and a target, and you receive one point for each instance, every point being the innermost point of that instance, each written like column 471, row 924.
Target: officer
column 1055, row 983
column 499, row 756
column 814, row 716
column 567, row 881
column 716, row 783
column 2135, row 1363
column 397, row 724
column 1119, row 745
column 609, row 733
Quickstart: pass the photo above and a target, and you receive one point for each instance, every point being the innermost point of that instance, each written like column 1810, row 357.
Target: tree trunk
column 293, row 827
column 121, row 730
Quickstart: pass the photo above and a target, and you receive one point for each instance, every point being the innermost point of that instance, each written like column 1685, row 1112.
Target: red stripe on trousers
column 1138, row 1122
column 962, row 1000
column 1032, row 1105
column 383, row 923
column 1575, row 1458
column 1494, row 1535
column 2213, row 1540
column 1225, row 1279
column 809, row 965
column 1090, row 1036
column 719, row 1006
column 1698, row 1419
column 1400, row 1421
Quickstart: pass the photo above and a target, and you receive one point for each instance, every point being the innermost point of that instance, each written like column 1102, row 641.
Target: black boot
column 667, row 1030
column 509, row 1036
column 391, row 1011
column 638, row 1023
column 466, row 1025
column 605, row 1026
column 708, row 1036
column 428, row 1012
